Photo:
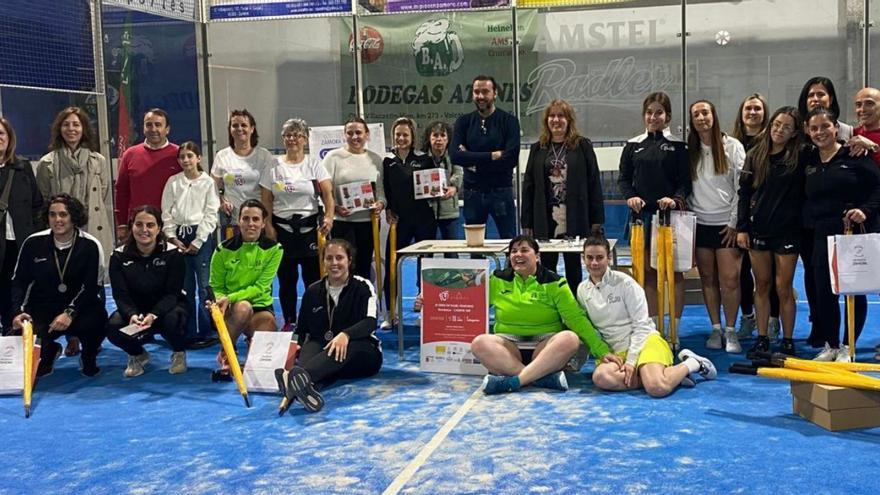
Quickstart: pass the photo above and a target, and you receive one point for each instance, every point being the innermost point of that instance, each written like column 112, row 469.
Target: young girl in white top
column 716, row 161
column 237, row 169
column 189, row 212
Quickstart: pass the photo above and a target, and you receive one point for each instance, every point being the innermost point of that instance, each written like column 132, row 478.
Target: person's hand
column 391, row 217
column 528, row 231
column 225, row 206
column 221, row 303
column 177, row 242
column 18, row 321
column 342, row 211
column 148, row 320
column 666, row 203
column 860, row 145
column 191, row 250
column 327, row 224
column 450, row 192
column 338, row 347
column 60, row 323
column 270, row 232
column 378, row 206
column 461, row 147
column 612, row 358
column 122, row 234
column 728, row 236
column 496, row 155
column 136, row 320
column 855, row 215
column 629, row 375
column 635, row 204
column 742, row 240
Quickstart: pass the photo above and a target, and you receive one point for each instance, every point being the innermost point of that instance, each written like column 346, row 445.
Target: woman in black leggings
column 335, row 328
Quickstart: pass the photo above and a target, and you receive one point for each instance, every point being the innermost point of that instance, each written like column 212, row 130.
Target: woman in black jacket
column 562, row 188
column 840, row 190
column 23, row 205
column 146, row 275
column 58, row 284
column 335, row 327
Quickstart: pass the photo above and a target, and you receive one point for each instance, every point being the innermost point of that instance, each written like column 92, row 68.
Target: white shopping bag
column 12, row 364
column 684, row 229
column 268, row 352
column 854, row 262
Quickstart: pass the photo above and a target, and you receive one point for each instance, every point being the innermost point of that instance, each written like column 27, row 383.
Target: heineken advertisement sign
column 422, row 66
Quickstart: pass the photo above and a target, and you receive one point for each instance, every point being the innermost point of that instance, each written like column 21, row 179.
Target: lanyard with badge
column 62, row 287
column 330, row 312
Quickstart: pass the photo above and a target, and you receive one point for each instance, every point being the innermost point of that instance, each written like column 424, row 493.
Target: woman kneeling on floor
column 533, row 306
column 618, row 308
column 242, row 271
column 335, row 327
column 146, row 275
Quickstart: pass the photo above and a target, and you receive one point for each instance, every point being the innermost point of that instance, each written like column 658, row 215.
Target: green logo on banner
column 437, row 49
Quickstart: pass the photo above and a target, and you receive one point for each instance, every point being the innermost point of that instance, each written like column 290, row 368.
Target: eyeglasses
column 776, row 126
column 295, row 135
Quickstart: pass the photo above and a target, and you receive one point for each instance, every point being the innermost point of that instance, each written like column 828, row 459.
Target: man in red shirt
column 867, row 134
column 144, row 169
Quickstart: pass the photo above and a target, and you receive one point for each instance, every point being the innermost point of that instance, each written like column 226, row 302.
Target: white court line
column 414, row 465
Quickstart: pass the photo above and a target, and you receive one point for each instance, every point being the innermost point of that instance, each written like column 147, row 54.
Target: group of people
column 770, row 191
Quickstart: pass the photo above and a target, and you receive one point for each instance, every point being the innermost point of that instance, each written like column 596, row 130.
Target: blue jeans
column 198, row 271
column 498, row 202
column 449, row 231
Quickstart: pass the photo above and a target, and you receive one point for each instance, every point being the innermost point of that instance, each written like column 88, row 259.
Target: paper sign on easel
column 269, row 351
column 12, row 365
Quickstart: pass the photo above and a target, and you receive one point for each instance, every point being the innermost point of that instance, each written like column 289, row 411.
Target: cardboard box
column 836, row 408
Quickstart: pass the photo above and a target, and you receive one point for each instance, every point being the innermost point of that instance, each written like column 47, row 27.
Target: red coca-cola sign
column 372, row 44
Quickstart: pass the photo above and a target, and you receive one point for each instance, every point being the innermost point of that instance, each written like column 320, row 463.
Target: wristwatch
column 70, row 312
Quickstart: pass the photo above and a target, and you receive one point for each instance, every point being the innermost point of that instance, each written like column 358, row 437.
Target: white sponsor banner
column 324, row 139
column 177, row 9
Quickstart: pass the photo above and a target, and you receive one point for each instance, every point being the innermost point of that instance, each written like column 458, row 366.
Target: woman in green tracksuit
column 534, row 308
column 242, row 270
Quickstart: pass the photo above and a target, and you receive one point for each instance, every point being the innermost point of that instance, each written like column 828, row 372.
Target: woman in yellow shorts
column 618, row 309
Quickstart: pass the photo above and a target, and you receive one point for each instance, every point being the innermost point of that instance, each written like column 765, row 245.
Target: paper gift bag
column 268, row 352
column 854, row 262
column 684, row 229
column 12, row 365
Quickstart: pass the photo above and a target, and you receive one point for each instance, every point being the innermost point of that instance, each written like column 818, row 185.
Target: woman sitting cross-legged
column 335, row 329
column 146, row 275
column 640, row 358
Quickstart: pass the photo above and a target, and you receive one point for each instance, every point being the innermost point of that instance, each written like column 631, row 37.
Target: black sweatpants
column 364, row 359
column 88, row 326
column 288, row 275
column 807, row 246
column 172, row 328
column 573, row 267
column 360, row 235
column 826, row 304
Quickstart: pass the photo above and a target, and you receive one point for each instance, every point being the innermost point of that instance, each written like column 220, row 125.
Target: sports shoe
column 715, row 339
column 51, row 351
column 388, row 324
column 731, row 343
column 554, row 381
column 843, row 355
column 136, row 365
column 88, row 363
column 300, row 386
column 746, row 326
column 827, row 354
column 786, row 346
column 762, row 344
column 178, row 363
column 773, row 329
column 495, row 384
column 707, row 369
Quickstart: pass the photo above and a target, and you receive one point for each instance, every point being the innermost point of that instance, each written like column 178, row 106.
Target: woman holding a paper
column 435, row 144
column 146, row 275
column 356, row 175
column 58, row 284
column 771, row 199
column 841, row 190
column 715, row 162
column 562, row 188
column 335, row 330
column 410, row 181
column 290, row 190
column 654, row 175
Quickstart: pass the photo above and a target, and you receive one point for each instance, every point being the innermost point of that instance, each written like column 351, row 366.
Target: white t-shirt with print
column 241, row 174
column 292, row 186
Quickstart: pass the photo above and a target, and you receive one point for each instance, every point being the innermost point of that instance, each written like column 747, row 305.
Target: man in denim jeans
column 486, row 143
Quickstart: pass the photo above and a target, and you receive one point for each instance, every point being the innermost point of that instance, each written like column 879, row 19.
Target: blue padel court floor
column 404, row 431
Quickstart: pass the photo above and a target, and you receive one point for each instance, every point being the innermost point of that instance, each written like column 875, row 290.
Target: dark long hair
column 88, row 140
column 694, row 152
column 79, row 215
column 758, row 159
column 739, row 129
column 346, row 246
column 255, row 137
column 150, row 210
column 829, row 86
column 571, row 134
column 437, row 126
column 9, row 155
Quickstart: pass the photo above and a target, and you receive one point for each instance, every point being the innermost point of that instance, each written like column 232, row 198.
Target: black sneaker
column 299, row 385
column 762, row 344
column 49, row 352
column 89, row 364
column 786, row 346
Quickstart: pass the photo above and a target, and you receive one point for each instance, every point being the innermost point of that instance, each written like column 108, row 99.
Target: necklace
column 328, row 336
column 558, row 158
column 62, row 287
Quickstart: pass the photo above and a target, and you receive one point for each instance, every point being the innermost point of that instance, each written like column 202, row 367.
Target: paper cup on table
column 475, row 235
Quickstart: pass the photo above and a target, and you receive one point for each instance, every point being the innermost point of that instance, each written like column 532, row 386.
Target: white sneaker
column 178, row 363
column 843, row 354
column 386, row 325
column 707, row 369
column 827, row 354
column 136, row 365
column 746, row 326
column 731, row 342
column 715, row 339
column 773, row 329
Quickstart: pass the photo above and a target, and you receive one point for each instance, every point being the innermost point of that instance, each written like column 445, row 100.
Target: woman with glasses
column 291, row 190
